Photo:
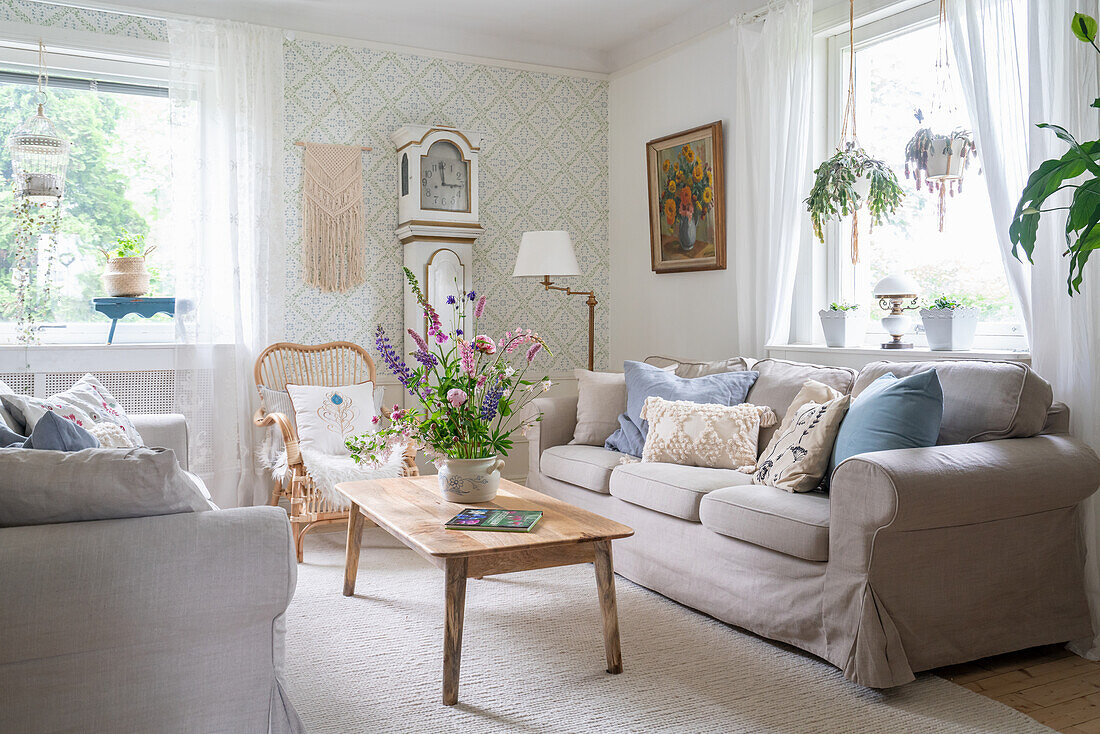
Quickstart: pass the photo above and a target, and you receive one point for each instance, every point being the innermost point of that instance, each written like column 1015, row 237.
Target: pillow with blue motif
column 328, row 416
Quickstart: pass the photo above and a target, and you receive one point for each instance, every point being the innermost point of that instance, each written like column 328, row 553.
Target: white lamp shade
column 896, row 285
column 545, row 253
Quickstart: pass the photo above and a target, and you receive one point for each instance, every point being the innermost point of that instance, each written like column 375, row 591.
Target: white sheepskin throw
column 109, row 435
column 703, row 434
column 328, row 470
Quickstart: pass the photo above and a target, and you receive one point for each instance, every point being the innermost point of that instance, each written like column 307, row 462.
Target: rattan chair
column 331, row 365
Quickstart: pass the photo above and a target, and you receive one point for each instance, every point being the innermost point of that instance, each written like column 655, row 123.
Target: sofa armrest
column 961, row 484
column 167, row 431
column 557, row 422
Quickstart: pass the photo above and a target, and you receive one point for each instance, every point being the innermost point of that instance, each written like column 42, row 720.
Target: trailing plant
column 924, row 142
column 843, row 306
column 1054, row 175
column 37, row 226
column 834, row 194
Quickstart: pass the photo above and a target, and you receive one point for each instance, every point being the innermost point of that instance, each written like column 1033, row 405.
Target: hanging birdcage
column 39, row 155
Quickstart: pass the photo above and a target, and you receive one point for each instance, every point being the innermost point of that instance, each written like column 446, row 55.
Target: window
column 896, row 75
column 118, row 180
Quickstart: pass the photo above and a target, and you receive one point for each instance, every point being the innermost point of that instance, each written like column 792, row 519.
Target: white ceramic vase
column 843, row 328
column 469, row 480
column 950, row 329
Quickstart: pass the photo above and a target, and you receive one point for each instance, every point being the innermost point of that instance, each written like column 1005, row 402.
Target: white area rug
column 533, row 661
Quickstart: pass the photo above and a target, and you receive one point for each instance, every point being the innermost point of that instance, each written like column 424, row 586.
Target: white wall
column 678, row 314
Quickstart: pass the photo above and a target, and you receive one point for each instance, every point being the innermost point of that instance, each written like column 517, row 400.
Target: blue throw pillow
column 51, row 433
column 891, row 413
column 644, row 380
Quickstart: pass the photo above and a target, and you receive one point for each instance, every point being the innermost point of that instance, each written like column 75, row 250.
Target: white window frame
column 833, row 273
column 104, row 58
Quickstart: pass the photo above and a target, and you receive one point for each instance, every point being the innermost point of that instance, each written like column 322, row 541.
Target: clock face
column 444, row 184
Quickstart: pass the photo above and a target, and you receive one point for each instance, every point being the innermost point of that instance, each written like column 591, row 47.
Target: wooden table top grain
column 413, row 510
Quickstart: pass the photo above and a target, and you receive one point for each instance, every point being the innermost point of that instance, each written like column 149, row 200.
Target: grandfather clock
column 437, row 215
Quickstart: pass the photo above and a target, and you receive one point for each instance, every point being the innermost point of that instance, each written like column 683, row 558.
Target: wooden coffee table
column 412, row 510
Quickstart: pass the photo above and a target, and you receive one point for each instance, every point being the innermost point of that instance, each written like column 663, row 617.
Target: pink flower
column 484, row 344
column 419, row 341
column 533, row 351
column 397, row 413
column 479, row 308
column 456, row 397
column 375, row 420
column 466, row 356
column 481, row 380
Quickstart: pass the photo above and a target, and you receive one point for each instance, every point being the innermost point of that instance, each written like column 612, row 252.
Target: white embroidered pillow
column 703, row 434
column 85, row 403
column 327, row 416
column 812, row 392
column 798, row 455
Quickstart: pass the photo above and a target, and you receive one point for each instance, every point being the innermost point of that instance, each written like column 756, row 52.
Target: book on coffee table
column 507, row 521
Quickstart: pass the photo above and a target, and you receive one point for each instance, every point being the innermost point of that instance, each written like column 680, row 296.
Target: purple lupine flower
column 479, row 308
column 395, row 364
column 533, row 351
column 491, row 403
column 427, row 359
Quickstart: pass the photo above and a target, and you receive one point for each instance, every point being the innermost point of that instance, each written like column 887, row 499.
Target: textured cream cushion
column 327, row 416
column 703, row 434
column 601, row 399
column 799, row 456
column 812, row 392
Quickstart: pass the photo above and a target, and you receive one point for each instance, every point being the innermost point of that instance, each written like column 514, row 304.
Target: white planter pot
column 843, row 328
column 469, row 480
column 862, row 187
column 943, row 165
column 948, row 329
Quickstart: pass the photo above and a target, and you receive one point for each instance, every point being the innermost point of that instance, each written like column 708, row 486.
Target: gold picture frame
column 687, row 200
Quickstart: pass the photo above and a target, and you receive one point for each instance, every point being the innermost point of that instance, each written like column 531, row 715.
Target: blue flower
column 450, row 300
column 458, row 332
column 472, row 296
column 491, row 403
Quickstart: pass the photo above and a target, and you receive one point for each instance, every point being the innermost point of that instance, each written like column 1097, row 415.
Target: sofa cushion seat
column 795, row 524
column 584, row 466
column 671, row 489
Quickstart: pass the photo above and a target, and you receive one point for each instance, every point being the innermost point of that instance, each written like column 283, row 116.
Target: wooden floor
column 1049, row 684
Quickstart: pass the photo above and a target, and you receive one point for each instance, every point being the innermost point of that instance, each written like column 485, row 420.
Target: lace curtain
column 226, row 93
column 771, row 168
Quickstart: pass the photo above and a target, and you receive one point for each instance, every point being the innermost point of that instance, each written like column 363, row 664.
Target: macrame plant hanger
column 850, row 116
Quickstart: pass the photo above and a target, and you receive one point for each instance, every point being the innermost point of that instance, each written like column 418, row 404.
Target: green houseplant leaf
column 1084, row 27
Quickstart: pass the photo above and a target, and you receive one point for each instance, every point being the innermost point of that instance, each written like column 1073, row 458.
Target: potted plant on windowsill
column 843, row 324
column 470, row 391
column 950, row 324
column 125, row 274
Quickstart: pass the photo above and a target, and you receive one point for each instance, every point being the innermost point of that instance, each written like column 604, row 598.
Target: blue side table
column 116, row 308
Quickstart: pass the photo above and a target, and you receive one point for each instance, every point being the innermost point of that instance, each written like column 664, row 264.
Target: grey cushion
column 795, row 524
column 687, row 368
column 584, row 466
column 51, row 433
column 780, row 381
column 601, row 398
column 982, row 401
column 40, row 487
column 670, row 488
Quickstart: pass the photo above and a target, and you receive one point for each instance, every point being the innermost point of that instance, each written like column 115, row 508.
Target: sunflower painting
column 686, row 200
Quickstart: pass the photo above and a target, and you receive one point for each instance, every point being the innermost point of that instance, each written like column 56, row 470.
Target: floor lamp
column 546, row 254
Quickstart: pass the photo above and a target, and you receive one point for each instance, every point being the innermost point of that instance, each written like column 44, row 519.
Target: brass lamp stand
column 549, row 285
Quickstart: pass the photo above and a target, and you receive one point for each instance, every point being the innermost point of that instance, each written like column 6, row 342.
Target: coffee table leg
column 351, row 552
column 605, row 583
column 452, row 635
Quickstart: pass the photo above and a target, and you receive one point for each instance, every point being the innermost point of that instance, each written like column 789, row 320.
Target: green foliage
column 833, row 195
column 843, row 306
column 1054, row 175
column 128, row 245
column 950, row 302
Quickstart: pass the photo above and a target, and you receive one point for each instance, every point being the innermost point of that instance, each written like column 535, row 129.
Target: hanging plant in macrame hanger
column 851, row 178
column 936, row 160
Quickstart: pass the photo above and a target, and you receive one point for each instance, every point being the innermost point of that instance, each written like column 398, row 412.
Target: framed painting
column 687, row 200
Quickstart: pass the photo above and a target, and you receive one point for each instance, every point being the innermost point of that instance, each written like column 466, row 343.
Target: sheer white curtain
column 770, row 168
column 989, row 38
column 1065, row 345
column 226, row 94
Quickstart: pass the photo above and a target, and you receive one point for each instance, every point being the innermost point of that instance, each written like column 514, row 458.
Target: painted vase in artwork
column 686, row 233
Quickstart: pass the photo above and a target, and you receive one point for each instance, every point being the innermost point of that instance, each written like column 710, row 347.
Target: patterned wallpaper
column 544, row 165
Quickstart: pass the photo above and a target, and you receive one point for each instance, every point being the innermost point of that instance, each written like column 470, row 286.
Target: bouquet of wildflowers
column 470, row 390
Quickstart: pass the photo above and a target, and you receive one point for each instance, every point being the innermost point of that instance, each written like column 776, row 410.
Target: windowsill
column 875, row 353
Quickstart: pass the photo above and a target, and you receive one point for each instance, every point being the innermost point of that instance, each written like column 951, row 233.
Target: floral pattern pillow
column 87, row 403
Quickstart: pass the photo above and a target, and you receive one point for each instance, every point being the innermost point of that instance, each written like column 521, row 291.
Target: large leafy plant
column 834, row 193
column 1057, row 174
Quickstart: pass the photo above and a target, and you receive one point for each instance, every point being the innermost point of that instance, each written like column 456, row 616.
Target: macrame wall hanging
column 333, row 239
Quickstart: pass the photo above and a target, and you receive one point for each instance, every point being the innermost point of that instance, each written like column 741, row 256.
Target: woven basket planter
column 126, row 277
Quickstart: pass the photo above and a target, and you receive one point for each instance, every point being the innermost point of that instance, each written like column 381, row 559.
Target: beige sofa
column 915, row 559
